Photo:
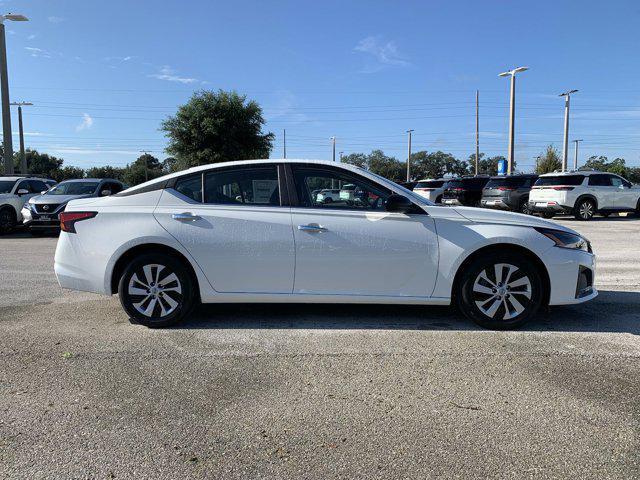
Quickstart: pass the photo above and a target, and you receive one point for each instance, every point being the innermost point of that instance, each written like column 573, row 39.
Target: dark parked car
column 464, row 191
column 508, row 193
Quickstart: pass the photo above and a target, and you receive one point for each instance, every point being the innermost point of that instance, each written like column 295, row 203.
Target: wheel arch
column 501, row 248
column 136, row 250
column 584, row 196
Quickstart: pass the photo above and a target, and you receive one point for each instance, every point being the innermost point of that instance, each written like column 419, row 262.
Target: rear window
column 467, row 183
column 513, row 182
column 560, row 180
column 430, row 184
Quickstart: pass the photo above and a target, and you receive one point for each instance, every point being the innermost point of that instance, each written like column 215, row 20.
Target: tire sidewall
column 464, row 295
column 578, row 208
column 185, row 280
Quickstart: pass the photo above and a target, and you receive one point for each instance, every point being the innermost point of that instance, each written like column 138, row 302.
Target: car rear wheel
column 7, row 219
column 156, row 290
column 500, row 290
column 524, row 207
column 585, row 209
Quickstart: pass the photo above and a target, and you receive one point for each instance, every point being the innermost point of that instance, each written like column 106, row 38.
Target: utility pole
column 333, row 141
column 537, row 162
column 340, row 153
column 284, row 136
column 409, row 157
column 575, row 158
column 477, row 129
column 23, row 158
column 565, row 144
column 4, row 89
column 512, row 114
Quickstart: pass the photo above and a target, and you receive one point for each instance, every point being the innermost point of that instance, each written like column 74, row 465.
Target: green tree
column 67, row 173
column 633, row 174
column 487, row 166
column 39, row 163
column 602, row 163
column 146, row 167
column 358, row 159
column 378, row 162
column 216, row 127
column 106, row 172
column 549, row 161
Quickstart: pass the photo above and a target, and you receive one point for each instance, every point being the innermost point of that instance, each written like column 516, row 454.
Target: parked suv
column 14, row 191
column 464, row 191
column 583, row 194
column 432, row 189
column 508, row 193
column 41, row 212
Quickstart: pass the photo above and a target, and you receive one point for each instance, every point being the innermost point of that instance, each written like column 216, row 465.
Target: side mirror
column 22, row 191
column 398, row 204
column 105, row 193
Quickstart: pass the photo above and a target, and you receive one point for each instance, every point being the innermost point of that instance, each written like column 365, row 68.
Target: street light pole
column 4, row 90
column 409, row 157
column 340, row 153
column 512, row 114
column 565, row 144
column 575, row 158
column 477, row 129
column 23, row 158
column 333, row 155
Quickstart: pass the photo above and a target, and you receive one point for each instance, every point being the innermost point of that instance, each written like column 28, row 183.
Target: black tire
column 585, row 209
column 180, row 290
column 548, row 215
column 501, row 306
column 328, row 200
column 8, row 219
column 524, row 207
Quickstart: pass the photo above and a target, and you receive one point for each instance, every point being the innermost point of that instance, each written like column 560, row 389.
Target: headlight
column 27, row 206
column 564, row 239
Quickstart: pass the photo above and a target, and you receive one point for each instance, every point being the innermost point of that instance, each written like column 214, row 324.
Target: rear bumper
column 451, row 201
column 549, row 207
column 497, row 203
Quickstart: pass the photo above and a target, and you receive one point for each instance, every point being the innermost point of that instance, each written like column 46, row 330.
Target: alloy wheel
column 155, row 291
column 502, row 291
column 586, row 210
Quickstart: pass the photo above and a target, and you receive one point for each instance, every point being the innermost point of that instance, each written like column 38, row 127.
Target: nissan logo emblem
column 46, row 207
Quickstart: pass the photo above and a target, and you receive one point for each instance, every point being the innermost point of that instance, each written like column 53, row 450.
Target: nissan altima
column 254, row 231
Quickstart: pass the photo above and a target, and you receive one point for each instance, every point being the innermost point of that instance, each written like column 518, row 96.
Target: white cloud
column 167, row 73
column 38, row 52
column 384, row 53
column 54, row 19
column 86, row 123
column 32, row 36
column 35, row 134
column 90, row 151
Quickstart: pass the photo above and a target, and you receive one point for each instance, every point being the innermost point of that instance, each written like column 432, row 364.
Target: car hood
column 485, row 215
column 55, row 199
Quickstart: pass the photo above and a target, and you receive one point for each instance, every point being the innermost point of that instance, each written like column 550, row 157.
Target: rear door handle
column 312, row 228
column 185, row 217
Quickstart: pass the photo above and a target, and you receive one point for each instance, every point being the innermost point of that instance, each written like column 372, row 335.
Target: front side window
column 243, row 186
column 616, row 181
column 325, row 188
column 38, row 186
column 6, row 185
column 74, row 188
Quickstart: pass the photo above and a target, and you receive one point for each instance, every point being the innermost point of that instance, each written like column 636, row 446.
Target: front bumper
column 572, row 276
column 38, row 221
column 549, row 207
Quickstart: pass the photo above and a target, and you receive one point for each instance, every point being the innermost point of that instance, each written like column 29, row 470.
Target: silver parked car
column 41, row 212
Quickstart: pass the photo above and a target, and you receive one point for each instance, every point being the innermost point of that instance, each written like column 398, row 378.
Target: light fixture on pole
column 409, row 157
column 512, row 113
column 575, row 158
column 23, row 158
column 565, row 144
column 4, row 89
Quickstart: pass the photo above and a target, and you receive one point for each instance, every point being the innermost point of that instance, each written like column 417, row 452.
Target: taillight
column 68, row 220
column 457, row 189
column 505, row 189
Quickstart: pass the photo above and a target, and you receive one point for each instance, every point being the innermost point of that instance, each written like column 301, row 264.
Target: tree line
column 221, row 126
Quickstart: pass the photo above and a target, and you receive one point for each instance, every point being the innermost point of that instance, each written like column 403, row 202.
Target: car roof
column 91, row 180
column 515, row 175
column 575, row 172
column 25, row 177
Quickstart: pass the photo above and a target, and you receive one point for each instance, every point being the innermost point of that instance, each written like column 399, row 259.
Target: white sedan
column 253, row 231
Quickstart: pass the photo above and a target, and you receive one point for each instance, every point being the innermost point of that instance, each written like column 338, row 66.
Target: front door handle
column 185, row 217
column 312, row 228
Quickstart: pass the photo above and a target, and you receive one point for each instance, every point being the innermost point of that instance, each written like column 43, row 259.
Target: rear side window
column 600, row 180
column 560, row 180
column 243, row 186
column 190, row 187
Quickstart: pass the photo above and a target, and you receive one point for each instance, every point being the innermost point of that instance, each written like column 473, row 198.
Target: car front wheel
column 7, row 219
column 156, row 290
column 500, row 291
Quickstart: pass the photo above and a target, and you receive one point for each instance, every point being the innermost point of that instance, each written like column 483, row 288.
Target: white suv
column 14, row 192
column 583, row 194
column 431, row 189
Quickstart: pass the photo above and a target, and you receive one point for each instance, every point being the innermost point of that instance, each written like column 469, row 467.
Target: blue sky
column 102, row 75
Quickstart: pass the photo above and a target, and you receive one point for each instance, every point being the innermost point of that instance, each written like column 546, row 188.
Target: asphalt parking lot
column 269, row 391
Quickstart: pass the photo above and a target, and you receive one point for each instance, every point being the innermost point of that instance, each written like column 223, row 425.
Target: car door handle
column 312, row 228
column 185, row 217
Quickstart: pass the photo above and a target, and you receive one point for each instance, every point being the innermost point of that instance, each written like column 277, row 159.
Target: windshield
column 74, row 188
column 513, row 182
column 559, row 180
column 6, row 185
column 430, row 184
